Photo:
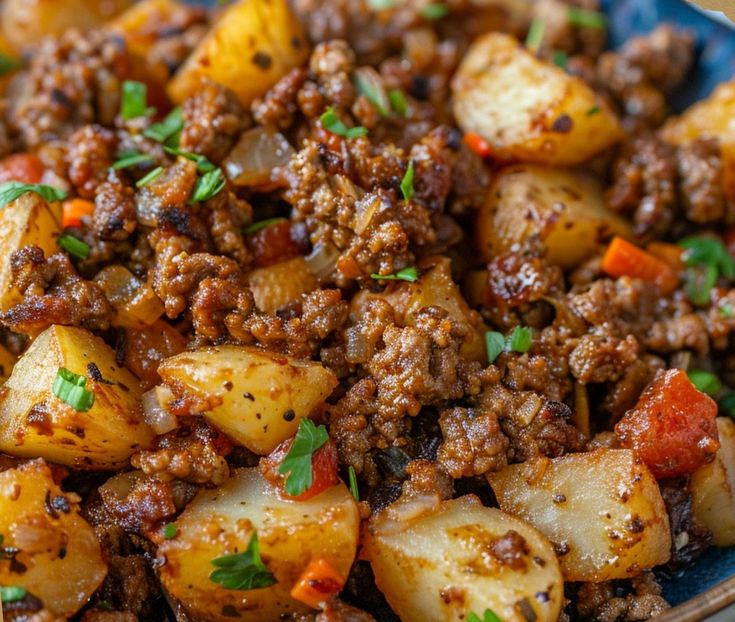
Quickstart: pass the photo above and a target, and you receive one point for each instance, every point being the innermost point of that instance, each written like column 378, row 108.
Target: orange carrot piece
column 478, row 144
column 317, row 583
column 625, row 259
column 670, row 253
column 73, row 210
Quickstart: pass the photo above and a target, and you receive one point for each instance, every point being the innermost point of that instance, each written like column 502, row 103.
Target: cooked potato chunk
column 284, row 282
column 563, row 210
column 56, row 546
column 142, row 23
column 255, row 397
column 35, row 423
column 25, row 22
column 291, row 534
column 712, row 487
column 527, row 109
column 7, row 360
column 254, row 44
column 602, row 507
column 449, row 561
column 27, row 220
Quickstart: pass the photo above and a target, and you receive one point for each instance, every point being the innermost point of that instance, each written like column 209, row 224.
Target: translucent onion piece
column 323, row 260
column 255, row 156
column 134, row 300
column 155, row 413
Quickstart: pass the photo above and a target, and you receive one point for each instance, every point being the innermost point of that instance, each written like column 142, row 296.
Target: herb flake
column 488, row 616
column 208, row 185
column 707, row 259
column 586, row 19
column 353, row 483
column 373, row 95
column 72, row 245
column 519, row 340
column 12, row 593
column 170, row 531
column 262, row 224
column 535, row 36
column 434, row 11
column 242, row 571
column 333, row 125
column 297, row 464
column 133, row 104
column 203, row 164
column 132, row 159
column 71, row 388
column 152, row 176
column 705, row 381
column 168, row 131
column 12, row 190
column 398, row 102
column 410, row 274
column 407, row 182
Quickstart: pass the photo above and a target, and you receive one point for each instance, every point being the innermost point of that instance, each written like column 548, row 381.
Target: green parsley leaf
column 298, row 461
column 11, row 190
column 520, row 339
column 585, row 18
column 535, row 36
column 708, row 259
column 170, row 531
column 167, row 131
column 353, row 483
column 134, row 96
column 705, row 381
column 262, row 224
column 488, row 616
column 12, row 593
column 560, row 59
column 727, row 405
column 76, row 247
column 70, row 388
column 434, row 11
column 375, row 96
column 132, row 159
column 7, row 64
column 242, row 571
column 593, row 111
column 727, row 311
column 398, row 102
column 410, row 274
column 332, row 124
column 152, row 176
column 379, row 5
column 208, row 185
column 407, row 182
column 494, row 344
column 203, row 164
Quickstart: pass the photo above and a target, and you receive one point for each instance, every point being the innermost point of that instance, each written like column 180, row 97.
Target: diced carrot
column 478, row 144
column 72, row 211
column 625, row 259
column 672, row 427
column 23, row 167
column 317, row 583
column 670, row 253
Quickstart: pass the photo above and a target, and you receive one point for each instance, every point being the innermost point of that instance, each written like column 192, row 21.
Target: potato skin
column 527, row 109
column 34, row 422
column 257, row 398
column 439, row 566
column 562, row 210
column 59, row 549
column 603, row 507
column 253, row 44
column 291, row 534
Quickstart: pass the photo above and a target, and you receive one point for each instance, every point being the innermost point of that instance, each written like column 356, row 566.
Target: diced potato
column 528, row 109
column 252, row 45
column 27, row 220
column 602, row 507
column 56, row 546
column 443, row 564
column 25, row 22
column 713, row 486
column 257, row 398
column 280, row 284
column 35, row 423
column 7, row 360
column 291, row 534
column 564, row 210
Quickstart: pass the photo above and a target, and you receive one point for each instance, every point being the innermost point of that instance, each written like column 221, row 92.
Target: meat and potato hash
column 358, row 310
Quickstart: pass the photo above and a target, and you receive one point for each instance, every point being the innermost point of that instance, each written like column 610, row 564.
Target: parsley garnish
column 705, row 381
column 332, row 124
column 410, row 274
column 398, row 101
column 153, row 175
column 132, row 159
column 242, row 571
column 488, row 616
column 170, row 531
column 707, row 259
column 70, row 388
column 727, row 405
column 78, row 248
column 535, row 35
column 374, row 96
column 134, row 96
column 379, row 5
column 12, row 593
column 585, row 18
column 407, row 182
column 593, row 111
column 208, row 185
column 298, row 460
column 434, row 11
column 11, row 190
column 560, row 59
column 203, row 165
column 262, row 224
column 167, row 131
column 518, row 341
column 7, row 64
column 353, row 483
column 726, row 310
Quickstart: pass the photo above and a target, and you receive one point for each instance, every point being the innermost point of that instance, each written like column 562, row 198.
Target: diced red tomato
column 478, row 144
column 672, row 427
column 23, row 167
column 273, row 244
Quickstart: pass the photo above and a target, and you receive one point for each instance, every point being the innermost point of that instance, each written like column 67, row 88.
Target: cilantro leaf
column 242, row 571
column 376, row 97
column 167, row 131
column 11, row 190
column 494, row 344
column 12, row 593
column 705, row 381
column 519, row 340
column 410, row 274
column 488, row 616
column 332, row 124
column 298, row 461
column 708, row 259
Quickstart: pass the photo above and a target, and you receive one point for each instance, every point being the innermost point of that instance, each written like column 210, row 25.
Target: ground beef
column 427, row 478
column 602, row 359
column 701, row 188
column 279, row 105
column 53, row 293
column 612, row 601
column 337, row 611
column 228, row 217
column 114, row 216
column 91, row 152
column 473, row 442
column 515, row 280
column 689, row 538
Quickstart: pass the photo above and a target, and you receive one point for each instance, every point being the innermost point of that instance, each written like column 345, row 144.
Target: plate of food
column 366, row 310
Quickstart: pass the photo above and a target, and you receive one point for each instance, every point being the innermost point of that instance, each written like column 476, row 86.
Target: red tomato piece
column 672, row 427
column 273, row 244
column 478, row 144
column 23, row 167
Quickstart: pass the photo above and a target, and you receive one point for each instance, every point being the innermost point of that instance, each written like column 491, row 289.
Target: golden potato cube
column 282, row 283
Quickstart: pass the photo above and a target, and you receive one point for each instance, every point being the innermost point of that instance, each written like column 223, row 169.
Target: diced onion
column 134, row 301
column 322, row 260
column 255, row 156
column 155, row 413
column 364, row 212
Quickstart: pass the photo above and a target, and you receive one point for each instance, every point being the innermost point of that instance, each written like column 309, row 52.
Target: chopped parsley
column 152, row 176
column 586, row 19
column 353, row 483
column 12, row 593
column 519, row 340
column 593, row 111
column 488, row 616
column 535, row 36
column 168, row 131
column 208, row 185
column 379, row 5
column 262, row 224
column 707, row 259
column 134, row 97
column 76, row 247
column 11, row 190
column 434, row 11
column 298, row 461
column 332, row 124
column 705, row 381
column 170, row 531
column 407, row 182
column 373, row 95
column 726, row 310
column 410, row 274
column 242, row 571
column 71, row 388
column 132, row 159
column 203, row 164
column 398, row 102
column 560, row 59
column 7, row 64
